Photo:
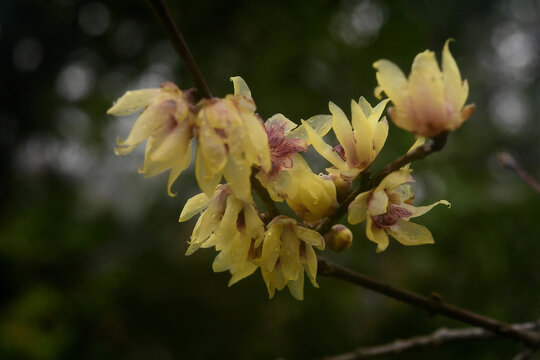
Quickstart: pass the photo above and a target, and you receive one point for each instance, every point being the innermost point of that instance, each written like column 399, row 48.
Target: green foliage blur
column 91, row 254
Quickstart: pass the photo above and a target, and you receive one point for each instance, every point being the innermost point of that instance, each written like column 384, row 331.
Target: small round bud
column 339, row 238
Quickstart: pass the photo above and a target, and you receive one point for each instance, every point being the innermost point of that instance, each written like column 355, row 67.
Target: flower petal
column 344, row 132
column 378, row 202
column 421, row 210
column 391, row 80
column 194, row 205
column 358, row 208
column 310, row 237
column 456, row 90
column 324, row 149
column 289, row 255
column 408, row 233
column 296, row 287
column 321, row 124
column 132, row 101
column 271, row 247
column 377, row 235
column 240, row 87
column 207, row 181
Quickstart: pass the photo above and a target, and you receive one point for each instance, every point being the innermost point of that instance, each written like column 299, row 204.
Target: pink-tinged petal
column 467, row 111
column 408, row 233
column 358, row 208
column 421, row 210
column 344, row 133
column 378, row 202
column 377, row 235
column 391, row 80
column 428, row 108
column 132, row 101
column 380, row 134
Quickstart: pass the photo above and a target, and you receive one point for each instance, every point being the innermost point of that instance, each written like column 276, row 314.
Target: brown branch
column 510, row 163
column 431, row 146
column 437, row 338
column 433, row 305
column 180, row 46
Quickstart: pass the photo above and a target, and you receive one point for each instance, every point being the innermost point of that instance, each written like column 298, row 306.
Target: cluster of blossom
column 234, row 143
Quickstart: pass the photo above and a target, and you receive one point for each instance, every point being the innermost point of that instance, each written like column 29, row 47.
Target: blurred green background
column 91, row 254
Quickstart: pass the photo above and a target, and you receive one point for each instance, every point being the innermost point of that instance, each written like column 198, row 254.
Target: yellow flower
column 430, row 101
column 231, row 140
column 165, row 122
column 387, row 210
column 314, row 196
column 229, row 224
column 287, row 250
column 359, row 144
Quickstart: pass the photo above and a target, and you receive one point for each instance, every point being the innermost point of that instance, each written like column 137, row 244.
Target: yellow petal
column 380, row 134
column 271, row 247
column 421, row 210
column 194, row 205
column 311, row 265
column 207, row 181
column 363, row 134
column 394, row 179
column 378, row 203
column 324, row 149
column 240, row 87
column 391, row 80
column 132, row 101
column 281, row 120
column 343, row 130
column 183, row 163
column 358, row 208
column 321, row 124
column 456, row 89
column 377, row 111
column 289, row 255
column 259, row 141
column 238, row 178
column 310, row 237
column 408, row 233
column 212, row 149
column 227, row 229
column 377, row 235
column 296, row 287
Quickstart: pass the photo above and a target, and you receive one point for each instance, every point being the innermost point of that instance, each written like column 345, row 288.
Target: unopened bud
column 339, row 238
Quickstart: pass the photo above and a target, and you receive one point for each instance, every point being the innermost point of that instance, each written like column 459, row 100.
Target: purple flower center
column 393, row 214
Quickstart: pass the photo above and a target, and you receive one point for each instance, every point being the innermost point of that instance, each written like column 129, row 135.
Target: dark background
column 91, row 254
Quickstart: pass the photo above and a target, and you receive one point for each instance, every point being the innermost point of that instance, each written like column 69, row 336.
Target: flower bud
column 339, row 238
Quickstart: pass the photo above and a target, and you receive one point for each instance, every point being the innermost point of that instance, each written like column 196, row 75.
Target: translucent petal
column 378, row 203
column 311, row 265
column 289, row 255
column 377, row 235
column 177, row 169
column 321, row 124
column 391, row 80
column 194, row 205
column 279, row 120
column 421, row 210
column 365, row 106
column 358, row 208
column 310, row 237
column 132, row 101
column 324, row 149
column 240, row 86
column 408, row 233
column 296, row 287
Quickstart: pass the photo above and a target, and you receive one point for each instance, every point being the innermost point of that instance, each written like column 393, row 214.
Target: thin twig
column 432, row 305
column 180, row 46
column 431, row 146
column 509, row 162
column 525, row 354
column 437, row 338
